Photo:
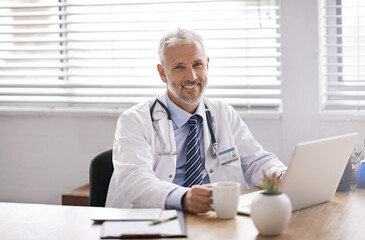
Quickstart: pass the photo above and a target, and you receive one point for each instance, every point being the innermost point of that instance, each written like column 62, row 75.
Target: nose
column 191, row 74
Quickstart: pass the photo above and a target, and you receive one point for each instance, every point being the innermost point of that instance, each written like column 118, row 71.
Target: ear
column 162, row 73
column 207, row 63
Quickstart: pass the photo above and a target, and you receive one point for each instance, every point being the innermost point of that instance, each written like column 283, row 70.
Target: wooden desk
column 77, row 197
column 342, row 218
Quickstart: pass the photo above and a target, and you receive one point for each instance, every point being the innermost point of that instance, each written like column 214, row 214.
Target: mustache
column 187, row 82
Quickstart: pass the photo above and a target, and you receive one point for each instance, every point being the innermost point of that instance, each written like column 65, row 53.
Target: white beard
column 181, row 98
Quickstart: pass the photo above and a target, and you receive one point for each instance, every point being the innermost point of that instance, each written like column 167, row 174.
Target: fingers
column 208, row 185
column 198, row 199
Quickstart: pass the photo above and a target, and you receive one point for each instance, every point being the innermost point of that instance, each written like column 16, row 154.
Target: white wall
column 43, row 155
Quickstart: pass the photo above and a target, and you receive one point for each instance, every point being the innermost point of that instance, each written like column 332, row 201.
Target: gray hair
column 180, row 36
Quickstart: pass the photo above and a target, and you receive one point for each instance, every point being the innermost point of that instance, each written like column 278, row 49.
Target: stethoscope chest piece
column 214, row 150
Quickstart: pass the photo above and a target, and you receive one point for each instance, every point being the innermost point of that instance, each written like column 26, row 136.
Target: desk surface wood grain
column 341, row 218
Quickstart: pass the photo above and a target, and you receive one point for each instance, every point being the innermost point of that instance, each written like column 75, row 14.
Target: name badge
column 227, row 156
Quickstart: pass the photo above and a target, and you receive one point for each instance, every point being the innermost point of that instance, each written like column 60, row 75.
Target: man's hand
column 198, row 199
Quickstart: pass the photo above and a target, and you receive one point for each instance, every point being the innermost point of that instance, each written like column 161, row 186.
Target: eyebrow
column 182, row 63
column 199, row 61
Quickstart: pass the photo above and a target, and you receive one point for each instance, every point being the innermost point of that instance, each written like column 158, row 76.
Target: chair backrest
column 100, row 172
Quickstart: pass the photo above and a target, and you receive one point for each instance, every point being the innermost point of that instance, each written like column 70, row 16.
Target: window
column 103, row 54
column 343, row 55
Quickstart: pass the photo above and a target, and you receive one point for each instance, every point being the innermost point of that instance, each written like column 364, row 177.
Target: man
column 167, row 150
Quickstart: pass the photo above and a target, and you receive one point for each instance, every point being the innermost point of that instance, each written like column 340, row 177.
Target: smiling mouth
column 190, row 86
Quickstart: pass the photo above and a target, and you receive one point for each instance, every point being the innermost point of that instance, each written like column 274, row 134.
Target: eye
column 198, row 64
column 178, row 68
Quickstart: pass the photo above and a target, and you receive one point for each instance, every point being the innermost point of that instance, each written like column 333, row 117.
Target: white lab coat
column 142, row 178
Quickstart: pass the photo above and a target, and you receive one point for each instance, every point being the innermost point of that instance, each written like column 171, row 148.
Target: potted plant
column 271, row 210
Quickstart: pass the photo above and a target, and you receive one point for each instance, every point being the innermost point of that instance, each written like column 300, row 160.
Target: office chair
column 100, row 172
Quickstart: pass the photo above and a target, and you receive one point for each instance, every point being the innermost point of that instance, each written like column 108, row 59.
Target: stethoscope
column 215, row 146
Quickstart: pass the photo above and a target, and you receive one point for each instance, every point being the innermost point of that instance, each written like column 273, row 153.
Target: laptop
column 313, row 174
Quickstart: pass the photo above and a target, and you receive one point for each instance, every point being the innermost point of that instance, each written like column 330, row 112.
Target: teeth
column 191, row 86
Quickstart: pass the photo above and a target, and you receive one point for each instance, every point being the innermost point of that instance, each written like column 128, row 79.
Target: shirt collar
column 179, row 116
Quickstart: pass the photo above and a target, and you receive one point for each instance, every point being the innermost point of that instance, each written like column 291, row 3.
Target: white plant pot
column 271, row 213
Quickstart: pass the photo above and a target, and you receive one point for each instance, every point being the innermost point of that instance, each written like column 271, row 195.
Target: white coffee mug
column 225, row 199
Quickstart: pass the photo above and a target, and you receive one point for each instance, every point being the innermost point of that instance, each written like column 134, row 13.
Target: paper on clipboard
column 130, row 229
column 115, row 214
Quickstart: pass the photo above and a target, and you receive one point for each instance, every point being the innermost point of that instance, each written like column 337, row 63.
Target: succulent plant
column 270, row 183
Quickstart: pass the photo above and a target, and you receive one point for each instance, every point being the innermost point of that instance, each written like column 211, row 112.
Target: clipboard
column 144, row 229
column 125, row 214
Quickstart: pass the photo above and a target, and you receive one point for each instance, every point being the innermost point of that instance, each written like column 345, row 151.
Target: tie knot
column 193, row 121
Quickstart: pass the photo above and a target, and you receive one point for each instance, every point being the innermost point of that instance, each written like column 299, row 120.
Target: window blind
column 103, row 54
column 343, row 55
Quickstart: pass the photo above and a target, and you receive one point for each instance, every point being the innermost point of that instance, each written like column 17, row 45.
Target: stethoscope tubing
column 207, row 114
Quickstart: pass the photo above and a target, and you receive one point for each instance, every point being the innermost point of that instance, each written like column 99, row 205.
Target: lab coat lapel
column 207, row 137
column 165, row 125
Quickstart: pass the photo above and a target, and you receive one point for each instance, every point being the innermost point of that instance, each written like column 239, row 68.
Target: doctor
column 153, row 163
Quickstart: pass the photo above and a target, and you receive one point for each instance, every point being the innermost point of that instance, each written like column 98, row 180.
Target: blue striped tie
column 193, row 171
